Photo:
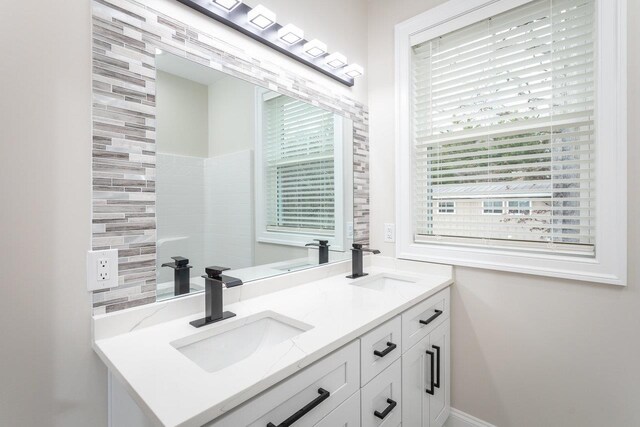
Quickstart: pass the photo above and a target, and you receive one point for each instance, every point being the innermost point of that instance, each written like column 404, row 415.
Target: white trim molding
column 461, row 419
column 336, row 237
column 609, row 265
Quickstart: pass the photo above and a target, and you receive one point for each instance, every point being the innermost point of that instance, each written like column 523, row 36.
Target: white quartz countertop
column 174, row 391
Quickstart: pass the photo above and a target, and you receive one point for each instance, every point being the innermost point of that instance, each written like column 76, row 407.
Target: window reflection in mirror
column 246, row 179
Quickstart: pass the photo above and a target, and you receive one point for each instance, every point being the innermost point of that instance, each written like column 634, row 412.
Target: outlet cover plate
column 389, row 232
column 93, row 260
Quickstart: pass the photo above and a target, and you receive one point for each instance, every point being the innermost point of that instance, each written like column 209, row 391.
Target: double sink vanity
column 312, row 348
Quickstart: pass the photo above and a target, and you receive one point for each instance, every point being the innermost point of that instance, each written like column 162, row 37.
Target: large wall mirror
column 246, row 178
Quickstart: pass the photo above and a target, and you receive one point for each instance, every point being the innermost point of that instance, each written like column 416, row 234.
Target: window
column 501, row 108
column 519, row 207
column 447, row 207
column 300, row 173
column 492, row 207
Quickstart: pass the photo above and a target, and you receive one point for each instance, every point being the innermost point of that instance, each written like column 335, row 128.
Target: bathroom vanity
column 312, row 348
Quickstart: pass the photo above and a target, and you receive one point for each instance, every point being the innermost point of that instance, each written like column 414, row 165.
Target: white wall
column 181, row 119
column 231, row 116
column 49, row 375
column 527, row 350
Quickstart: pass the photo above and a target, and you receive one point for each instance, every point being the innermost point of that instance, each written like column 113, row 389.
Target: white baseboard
column 460, row 419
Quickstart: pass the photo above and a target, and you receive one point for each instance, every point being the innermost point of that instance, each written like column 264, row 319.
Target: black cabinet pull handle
column 324, row 395
column 437, row 382
column 383, row 414
column 390, row 347
column 432, row 318
column 431, row 390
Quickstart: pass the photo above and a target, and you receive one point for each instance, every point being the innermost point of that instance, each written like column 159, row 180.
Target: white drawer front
column 345, row 415
column 385, row 340
column 433, row 311
column 380, row 394
column 338, row 373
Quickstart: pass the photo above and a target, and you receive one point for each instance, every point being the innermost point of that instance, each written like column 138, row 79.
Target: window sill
column 584, row 269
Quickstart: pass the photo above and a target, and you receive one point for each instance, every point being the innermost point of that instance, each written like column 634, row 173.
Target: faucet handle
column 180, row 261
column 321, row 243
column 359, row 247
column 214, row 272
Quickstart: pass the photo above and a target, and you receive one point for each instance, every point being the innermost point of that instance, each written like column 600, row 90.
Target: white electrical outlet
column 102, row 269
column 389, row 232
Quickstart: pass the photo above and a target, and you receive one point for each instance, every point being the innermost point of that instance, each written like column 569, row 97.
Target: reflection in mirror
column 247, row 178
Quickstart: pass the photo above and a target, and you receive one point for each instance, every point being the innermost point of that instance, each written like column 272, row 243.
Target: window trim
column 610, row 262
column 262, row 235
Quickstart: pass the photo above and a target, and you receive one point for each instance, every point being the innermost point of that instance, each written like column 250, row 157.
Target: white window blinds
column 299, row 167
column 503, row 112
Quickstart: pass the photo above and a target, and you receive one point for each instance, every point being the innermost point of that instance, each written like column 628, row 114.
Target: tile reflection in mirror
column 246, row 177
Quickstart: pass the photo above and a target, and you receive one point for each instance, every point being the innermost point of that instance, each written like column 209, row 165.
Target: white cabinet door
column 304, row 398
column 425, row 380
column 345, row 415
column 382, row 398
column 439, row 403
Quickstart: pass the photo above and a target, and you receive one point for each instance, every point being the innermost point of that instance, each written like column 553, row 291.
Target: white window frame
column 263, row 235
column 609, row 265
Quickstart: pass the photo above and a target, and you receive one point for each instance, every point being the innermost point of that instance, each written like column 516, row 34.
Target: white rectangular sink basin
column 384, row 282
column 236, row 340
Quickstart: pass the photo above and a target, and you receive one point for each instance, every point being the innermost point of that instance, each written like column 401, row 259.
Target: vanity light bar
column 336, row 60
column 315, row 48
column 227, row 5
column 261, row 17
column 290, row 34
column 354, row 70
column 260, row 24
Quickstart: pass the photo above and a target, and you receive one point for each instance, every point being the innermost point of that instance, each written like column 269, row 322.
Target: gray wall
column 527, row 351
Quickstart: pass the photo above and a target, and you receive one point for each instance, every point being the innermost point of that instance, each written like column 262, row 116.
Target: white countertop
column 174, row 391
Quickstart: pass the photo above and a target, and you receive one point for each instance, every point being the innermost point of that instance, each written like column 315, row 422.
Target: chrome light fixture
column 315, row 48
column 354, row 70
column 227, row 5
column 290, row 34
column 260, row 24
column 336, row 60
column 261, row 17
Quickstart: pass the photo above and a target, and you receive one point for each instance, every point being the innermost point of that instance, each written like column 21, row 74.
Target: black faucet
column 213, row 282
column 356, row 260
column 323, row 250
column 181, row 268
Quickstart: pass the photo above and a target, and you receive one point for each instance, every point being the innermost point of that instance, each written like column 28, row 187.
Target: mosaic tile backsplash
column 126, row 35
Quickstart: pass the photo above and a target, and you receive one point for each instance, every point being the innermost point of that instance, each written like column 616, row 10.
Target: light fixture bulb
column 158, row 51
column 354, row 70
column 227, row 5
column 315, row 48
column 261, row 17
column 336, row 60
column 290, row 34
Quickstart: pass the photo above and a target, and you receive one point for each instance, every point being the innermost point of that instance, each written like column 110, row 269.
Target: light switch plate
column 349, row 230
column 389, row 232
column 102, row 269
